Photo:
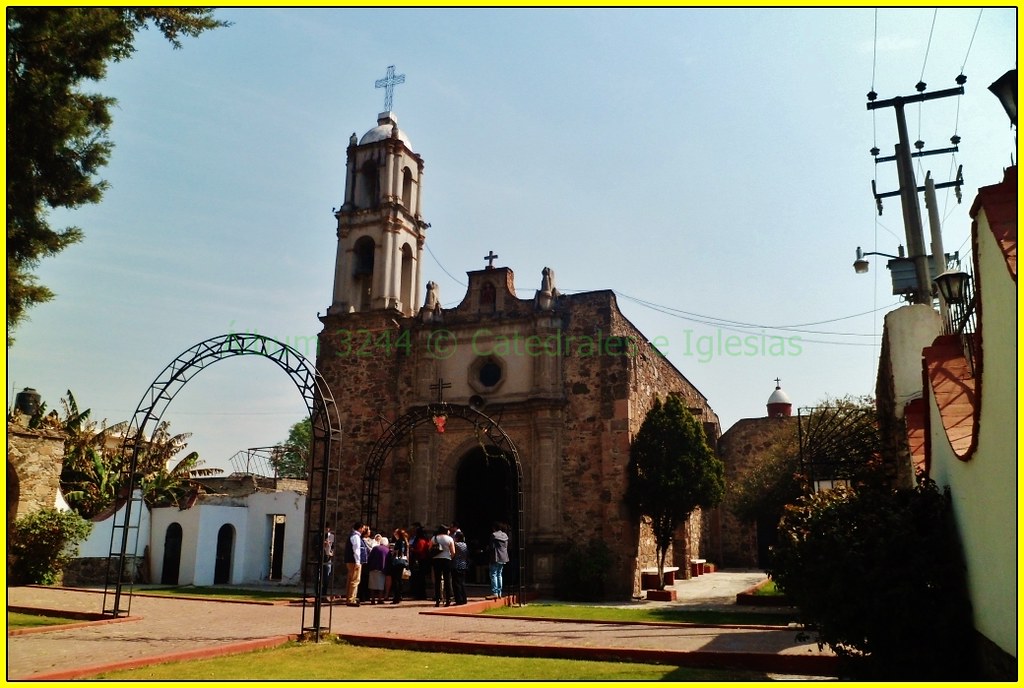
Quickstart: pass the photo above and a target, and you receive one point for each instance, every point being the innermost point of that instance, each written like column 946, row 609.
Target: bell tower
column 380, row 229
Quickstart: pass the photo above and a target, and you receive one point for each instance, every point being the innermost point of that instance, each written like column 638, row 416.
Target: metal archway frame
column 486, row 427
column 326, row 425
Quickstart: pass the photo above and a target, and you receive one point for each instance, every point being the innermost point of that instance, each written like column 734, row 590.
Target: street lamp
column 952, row 285
column 860, row 266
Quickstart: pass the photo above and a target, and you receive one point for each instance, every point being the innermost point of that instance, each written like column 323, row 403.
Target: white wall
column 984, row 488
column 909, row 329
column 251, row 519
column 98, row 543
column 262, row 506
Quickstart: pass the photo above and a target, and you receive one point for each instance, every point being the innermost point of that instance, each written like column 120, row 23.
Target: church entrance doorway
column 482, row 479
column 486, row 492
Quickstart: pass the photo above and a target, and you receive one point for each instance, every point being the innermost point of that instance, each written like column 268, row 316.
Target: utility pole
column 938, row 251
column 908, row 185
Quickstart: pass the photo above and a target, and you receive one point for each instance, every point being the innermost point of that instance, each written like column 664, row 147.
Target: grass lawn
column 654, row 614
column 21, row 620
column 340, row 661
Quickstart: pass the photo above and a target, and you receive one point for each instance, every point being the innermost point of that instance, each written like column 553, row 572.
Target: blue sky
column 712, row 162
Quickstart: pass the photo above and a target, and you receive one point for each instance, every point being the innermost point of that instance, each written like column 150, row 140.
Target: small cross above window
column 439, row 387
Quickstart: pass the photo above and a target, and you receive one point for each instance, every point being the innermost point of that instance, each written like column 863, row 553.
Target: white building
column 247, row 534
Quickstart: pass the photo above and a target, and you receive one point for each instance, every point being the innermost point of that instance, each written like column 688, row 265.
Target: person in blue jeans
column 498, row 557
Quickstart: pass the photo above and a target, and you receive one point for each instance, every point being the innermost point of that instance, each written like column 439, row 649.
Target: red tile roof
column 954, row 388
column 1000, row 204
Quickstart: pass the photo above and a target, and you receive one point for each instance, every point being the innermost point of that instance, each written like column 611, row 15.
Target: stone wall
column 93, row 571
column 742, row 445
column 34, row 460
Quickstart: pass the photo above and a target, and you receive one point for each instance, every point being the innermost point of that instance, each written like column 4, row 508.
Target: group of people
column 378, row 566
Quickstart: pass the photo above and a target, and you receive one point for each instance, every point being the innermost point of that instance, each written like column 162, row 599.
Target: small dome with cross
column 779, row 403
column 381, row 132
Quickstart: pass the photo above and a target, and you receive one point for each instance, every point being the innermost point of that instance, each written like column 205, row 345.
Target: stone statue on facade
column 431, row 311
column 546, row 296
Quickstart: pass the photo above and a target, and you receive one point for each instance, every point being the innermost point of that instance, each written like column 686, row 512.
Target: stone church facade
column 567, row 378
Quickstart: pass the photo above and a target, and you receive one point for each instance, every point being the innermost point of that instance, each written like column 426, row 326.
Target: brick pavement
column 162, row 628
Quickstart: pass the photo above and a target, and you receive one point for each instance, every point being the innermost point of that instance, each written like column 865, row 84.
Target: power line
column 715, row 321
column 747, row 332
column 443, row 268
column 874, row 52
column 721, row 322
column 972, row 40
column 928, row 48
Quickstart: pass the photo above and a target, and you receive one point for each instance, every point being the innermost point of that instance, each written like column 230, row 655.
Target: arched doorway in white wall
column 172, row 555
column 225, row 546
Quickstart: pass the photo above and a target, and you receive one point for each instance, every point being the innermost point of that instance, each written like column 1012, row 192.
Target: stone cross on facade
column 439, row 387
column 388, row 84
column 490, row 258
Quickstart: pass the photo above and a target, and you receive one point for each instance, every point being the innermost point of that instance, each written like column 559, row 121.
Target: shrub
column 44, row 542
column 878, row 576
column 583, row 571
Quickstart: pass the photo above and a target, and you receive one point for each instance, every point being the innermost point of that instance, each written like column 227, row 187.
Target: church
column 497, row 409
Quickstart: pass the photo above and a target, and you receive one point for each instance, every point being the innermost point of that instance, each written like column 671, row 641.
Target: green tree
column 878, row 576
column 839, row 438
column 672, row 471
column 772, row 480
column 43, row 542
column 291, row 457
column 94, row 473
column 91, row 470
column 57, row 133
column 164, row 480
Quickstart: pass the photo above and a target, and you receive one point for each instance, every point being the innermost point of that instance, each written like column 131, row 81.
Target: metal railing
column 962, row 320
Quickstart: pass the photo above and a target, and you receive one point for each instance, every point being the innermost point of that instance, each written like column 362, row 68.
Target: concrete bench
column 649, row 577
column 697, row 567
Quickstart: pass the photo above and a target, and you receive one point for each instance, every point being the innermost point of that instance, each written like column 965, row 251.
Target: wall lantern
column 952, row 286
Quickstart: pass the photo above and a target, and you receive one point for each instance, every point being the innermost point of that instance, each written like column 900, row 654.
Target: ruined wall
column 34, row 459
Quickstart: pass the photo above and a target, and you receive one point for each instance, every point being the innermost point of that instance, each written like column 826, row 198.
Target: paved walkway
column 161, row 628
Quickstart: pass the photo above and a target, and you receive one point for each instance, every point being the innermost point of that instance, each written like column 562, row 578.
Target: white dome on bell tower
column 381, row 232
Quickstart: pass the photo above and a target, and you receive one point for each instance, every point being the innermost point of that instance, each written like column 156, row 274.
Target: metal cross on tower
column 490, row 258
column 388, row 84
column 777, row 383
